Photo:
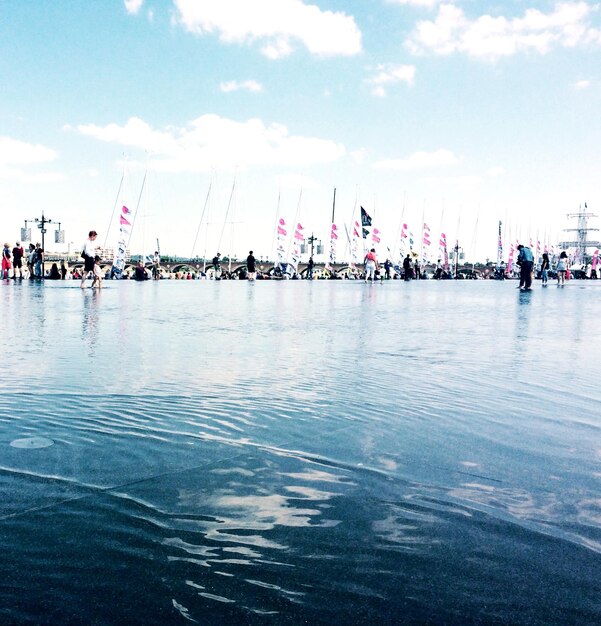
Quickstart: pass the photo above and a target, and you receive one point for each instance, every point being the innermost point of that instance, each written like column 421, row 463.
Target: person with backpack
column 88, row 252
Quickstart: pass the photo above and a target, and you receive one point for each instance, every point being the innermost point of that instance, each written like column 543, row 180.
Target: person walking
column 88, row 252
column 544, row 269
column 526, row 261
column 371, row 265
column 562, row 268
column 251, row 266
column 6, row 263
column 18, row 254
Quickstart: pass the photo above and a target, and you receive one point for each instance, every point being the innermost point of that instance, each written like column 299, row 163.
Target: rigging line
column 204, row 208
column 229, row 204
column 131, row 232
column 108, row 230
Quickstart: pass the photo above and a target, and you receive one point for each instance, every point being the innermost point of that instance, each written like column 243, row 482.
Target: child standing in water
column 544, row 269
column 97, row 282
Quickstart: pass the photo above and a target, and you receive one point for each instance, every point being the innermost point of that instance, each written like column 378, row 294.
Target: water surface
column 229, row 452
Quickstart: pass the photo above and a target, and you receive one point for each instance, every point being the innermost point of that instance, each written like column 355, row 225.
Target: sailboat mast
column 108, row 230
column 204, row 208
column 137, row 208
column 334, row 206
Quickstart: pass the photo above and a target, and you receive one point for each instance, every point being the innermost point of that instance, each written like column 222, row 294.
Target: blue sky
column 461, row 112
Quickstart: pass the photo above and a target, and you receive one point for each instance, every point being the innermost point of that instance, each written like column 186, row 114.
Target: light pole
column 41, row 224
column 456, row 249
column 312, row 239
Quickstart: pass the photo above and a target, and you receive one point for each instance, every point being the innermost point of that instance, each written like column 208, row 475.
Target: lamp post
column 456, row 249
column 41, row 224
column 312, row 239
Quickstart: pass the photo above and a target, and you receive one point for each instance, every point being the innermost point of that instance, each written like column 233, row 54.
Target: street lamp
column 456, row 250
column 41, row 224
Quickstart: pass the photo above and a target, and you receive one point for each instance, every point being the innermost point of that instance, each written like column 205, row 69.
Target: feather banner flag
column 295, row 256
column 281, row 237
column 444, row 250
column 121, row 250
column 333, row 238
column 426, row 243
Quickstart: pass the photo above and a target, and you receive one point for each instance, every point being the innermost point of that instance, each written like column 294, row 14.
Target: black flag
column 365, row 233
column 365, row 219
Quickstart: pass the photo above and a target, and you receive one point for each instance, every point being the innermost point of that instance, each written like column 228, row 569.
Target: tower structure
column 581, row 242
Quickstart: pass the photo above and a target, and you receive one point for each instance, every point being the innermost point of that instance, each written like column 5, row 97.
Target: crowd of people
column 18, row 263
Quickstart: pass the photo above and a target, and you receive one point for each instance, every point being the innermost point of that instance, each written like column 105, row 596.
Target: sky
column 210, row 119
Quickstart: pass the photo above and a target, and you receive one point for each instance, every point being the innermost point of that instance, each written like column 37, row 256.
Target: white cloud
column 294, row 182
column 388, row 74
column 133, row 6
column 211, row 141
column 246, row 85
column 279, row 23
column 455, row 181
column 582, row 84
column 490, row 37
column 496, row 171
column 417, row 3
column 420, row 160
column 15, row 155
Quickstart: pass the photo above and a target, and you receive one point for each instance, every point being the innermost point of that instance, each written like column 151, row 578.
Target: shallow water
column 300, row 452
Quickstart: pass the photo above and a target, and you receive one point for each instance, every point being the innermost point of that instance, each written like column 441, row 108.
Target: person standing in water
column 6, row 264
column 97, row 273
column 18, row 254
column 371, row 264
column 525, row 260
column 544, row 269
column 251, row 266
column 562, row 268
column 88, row 252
